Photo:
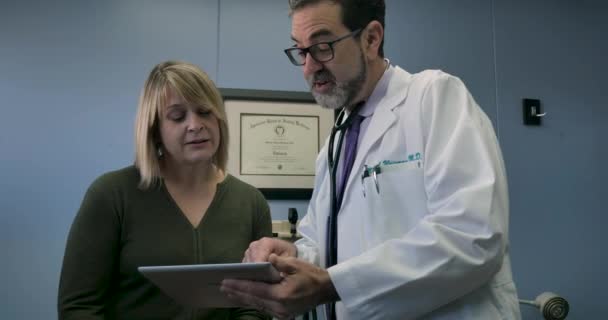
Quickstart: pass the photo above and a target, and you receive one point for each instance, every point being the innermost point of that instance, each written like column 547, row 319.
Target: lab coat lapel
column 382, row 119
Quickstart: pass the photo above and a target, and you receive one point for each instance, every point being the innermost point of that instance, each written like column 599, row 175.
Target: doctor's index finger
column 284, row 264
column 257, row 255
column 258, row 251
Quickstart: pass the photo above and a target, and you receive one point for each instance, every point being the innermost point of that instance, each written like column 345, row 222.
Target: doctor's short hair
column 355, row 13
column 195, row 86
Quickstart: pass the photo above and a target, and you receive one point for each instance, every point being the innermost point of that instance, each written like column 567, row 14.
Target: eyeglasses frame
column 330, row 44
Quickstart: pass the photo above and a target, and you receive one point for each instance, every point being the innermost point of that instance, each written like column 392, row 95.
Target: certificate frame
column 292, row 105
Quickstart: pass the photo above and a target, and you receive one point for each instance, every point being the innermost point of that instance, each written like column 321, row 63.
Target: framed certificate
column 275, row 137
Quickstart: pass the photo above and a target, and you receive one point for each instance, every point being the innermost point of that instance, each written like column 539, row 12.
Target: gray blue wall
column 71, row 71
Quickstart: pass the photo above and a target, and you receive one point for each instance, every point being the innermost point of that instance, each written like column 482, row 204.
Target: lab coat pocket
column 396, row 199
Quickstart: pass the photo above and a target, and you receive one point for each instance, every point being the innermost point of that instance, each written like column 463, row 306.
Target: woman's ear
column 372, row 38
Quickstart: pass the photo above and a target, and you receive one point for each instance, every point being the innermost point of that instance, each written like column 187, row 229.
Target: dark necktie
column 350, row 153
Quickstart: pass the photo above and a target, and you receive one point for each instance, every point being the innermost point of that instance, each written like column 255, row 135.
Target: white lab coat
column 433, row 242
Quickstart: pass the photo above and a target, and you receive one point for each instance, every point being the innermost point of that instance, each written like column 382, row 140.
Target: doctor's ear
column 371, row 39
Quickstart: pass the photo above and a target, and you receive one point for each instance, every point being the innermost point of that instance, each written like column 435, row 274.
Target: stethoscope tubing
column 332, row 162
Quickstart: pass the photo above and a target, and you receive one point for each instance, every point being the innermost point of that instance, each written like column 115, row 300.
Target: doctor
column 418, row 227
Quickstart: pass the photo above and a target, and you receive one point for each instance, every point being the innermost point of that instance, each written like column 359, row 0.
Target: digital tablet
column 199, row 285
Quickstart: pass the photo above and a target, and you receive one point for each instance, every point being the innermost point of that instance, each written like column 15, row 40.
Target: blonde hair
column 194, row 85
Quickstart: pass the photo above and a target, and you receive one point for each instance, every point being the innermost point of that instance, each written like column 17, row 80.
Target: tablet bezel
column 198, row 285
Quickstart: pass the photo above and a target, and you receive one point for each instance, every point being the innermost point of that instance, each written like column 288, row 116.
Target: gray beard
column 343, row 93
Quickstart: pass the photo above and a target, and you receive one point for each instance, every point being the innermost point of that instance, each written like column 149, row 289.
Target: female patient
column 175, row 206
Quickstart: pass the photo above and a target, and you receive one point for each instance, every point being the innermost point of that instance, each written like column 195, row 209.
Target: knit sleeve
column 262, row 221
column 90, row 255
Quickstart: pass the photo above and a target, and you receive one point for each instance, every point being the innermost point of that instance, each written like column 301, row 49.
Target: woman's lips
column 197, row 142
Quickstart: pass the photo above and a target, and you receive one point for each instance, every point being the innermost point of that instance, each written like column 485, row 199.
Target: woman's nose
column 195, row 124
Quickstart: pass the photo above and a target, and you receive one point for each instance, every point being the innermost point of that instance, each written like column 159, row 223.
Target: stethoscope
column 340, row 126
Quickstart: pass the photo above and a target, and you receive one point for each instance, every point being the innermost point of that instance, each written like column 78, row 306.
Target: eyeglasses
column 321, row 52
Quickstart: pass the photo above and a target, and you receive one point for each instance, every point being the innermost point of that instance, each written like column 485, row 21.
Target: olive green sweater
column 120, row 227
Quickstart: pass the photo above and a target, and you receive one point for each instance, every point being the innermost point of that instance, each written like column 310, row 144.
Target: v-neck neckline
column 218, row 193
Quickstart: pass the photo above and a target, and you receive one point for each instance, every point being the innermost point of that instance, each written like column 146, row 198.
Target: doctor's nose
column 311, row 66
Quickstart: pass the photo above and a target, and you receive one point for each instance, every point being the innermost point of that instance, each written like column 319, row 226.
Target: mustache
column 322, row 76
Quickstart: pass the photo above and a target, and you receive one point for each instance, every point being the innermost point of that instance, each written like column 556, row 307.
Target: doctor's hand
column 260, row 250
column 303, row 286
